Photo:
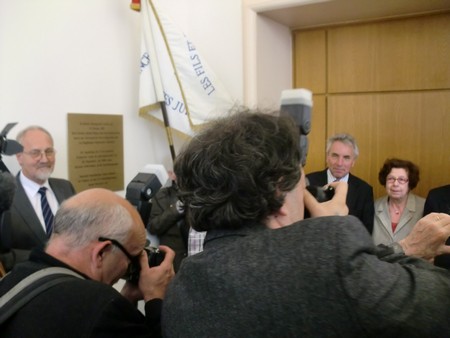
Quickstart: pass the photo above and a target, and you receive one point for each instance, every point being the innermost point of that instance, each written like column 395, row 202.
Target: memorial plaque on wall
column 95, row 148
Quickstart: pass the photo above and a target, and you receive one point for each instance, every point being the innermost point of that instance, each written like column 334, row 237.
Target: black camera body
column 155, row 258
column 322, row 194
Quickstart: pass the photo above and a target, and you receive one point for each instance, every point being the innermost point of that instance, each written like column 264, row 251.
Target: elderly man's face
column 340, row 159
column 38, row 157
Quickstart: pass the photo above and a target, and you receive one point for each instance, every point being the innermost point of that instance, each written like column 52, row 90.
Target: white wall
column 267, row 54
column 274, row 66
column 82, row 56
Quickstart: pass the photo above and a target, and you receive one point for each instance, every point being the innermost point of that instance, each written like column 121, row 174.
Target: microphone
column 298, row 103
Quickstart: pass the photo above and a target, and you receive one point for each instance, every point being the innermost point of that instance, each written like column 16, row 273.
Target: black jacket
column 76, row 308
column 168, row 224
column 359, row 196
column 438, row 200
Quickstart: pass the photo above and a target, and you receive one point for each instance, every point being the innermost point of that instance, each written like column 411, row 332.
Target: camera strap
column 32, row 286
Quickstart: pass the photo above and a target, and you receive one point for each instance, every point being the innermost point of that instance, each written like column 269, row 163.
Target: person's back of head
column 236, row 172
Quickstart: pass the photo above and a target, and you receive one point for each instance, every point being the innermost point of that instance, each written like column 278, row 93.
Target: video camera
column 139, row 193
column 144, row 186
column 8, row 147
column 297, row 103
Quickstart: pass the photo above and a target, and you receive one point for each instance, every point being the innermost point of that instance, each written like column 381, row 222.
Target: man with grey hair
column 37, row 196
column 98, row 237
column 342, row 152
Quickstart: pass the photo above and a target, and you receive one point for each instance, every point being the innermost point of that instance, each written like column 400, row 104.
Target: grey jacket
column 382, row 227
column 320, row 277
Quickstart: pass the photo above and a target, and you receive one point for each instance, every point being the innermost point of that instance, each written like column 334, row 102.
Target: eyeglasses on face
column 37, row 153
column 134, row 260
column 400, row 180
column 121, row 247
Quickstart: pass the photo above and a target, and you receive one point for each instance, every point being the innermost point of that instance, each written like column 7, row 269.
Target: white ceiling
column 325, row 13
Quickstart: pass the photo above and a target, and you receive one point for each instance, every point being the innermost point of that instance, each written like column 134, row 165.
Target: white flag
column 172, row 71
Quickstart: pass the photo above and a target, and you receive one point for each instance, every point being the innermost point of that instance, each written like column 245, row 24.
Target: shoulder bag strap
column 30, row 287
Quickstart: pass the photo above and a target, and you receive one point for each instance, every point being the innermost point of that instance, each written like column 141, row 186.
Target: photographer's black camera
column 322, row 194
column 155, row 258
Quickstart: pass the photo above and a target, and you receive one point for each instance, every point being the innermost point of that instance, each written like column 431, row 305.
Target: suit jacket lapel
column 57, row 190
column 323, row 178
column 384, row 216
column 26, row 211
column 352, row 191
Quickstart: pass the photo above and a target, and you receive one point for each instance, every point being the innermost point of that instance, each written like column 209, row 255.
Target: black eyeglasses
column 37, row 153
column 121, row 247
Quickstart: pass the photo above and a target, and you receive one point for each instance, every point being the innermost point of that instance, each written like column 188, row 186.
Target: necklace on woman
column 394, row 209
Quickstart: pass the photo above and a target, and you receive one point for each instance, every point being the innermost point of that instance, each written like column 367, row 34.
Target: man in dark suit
column 438, row 200
column 342, row 152
column 265, row 272
column 37, row 161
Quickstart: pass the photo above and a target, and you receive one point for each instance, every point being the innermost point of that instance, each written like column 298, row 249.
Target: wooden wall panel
column 412, row 126
column 405, row 54
column 386, row 83
column 310, row 60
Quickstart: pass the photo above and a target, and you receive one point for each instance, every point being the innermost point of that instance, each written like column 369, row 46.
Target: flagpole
column 168, row 130
column 159, row 89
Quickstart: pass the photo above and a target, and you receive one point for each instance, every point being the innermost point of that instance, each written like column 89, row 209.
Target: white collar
column 331, row 178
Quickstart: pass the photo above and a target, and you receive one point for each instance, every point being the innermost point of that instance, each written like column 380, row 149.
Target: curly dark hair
column 237, row 171
column 411, row 168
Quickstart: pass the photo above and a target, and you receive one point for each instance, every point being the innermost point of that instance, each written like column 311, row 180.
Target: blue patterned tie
column 46, row 211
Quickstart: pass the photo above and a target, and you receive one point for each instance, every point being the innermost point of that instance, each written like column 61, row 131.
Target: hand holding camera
column 321, row 194
column 152, row 273
column 329, row 201
column 153, row 281
column 155, row 258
